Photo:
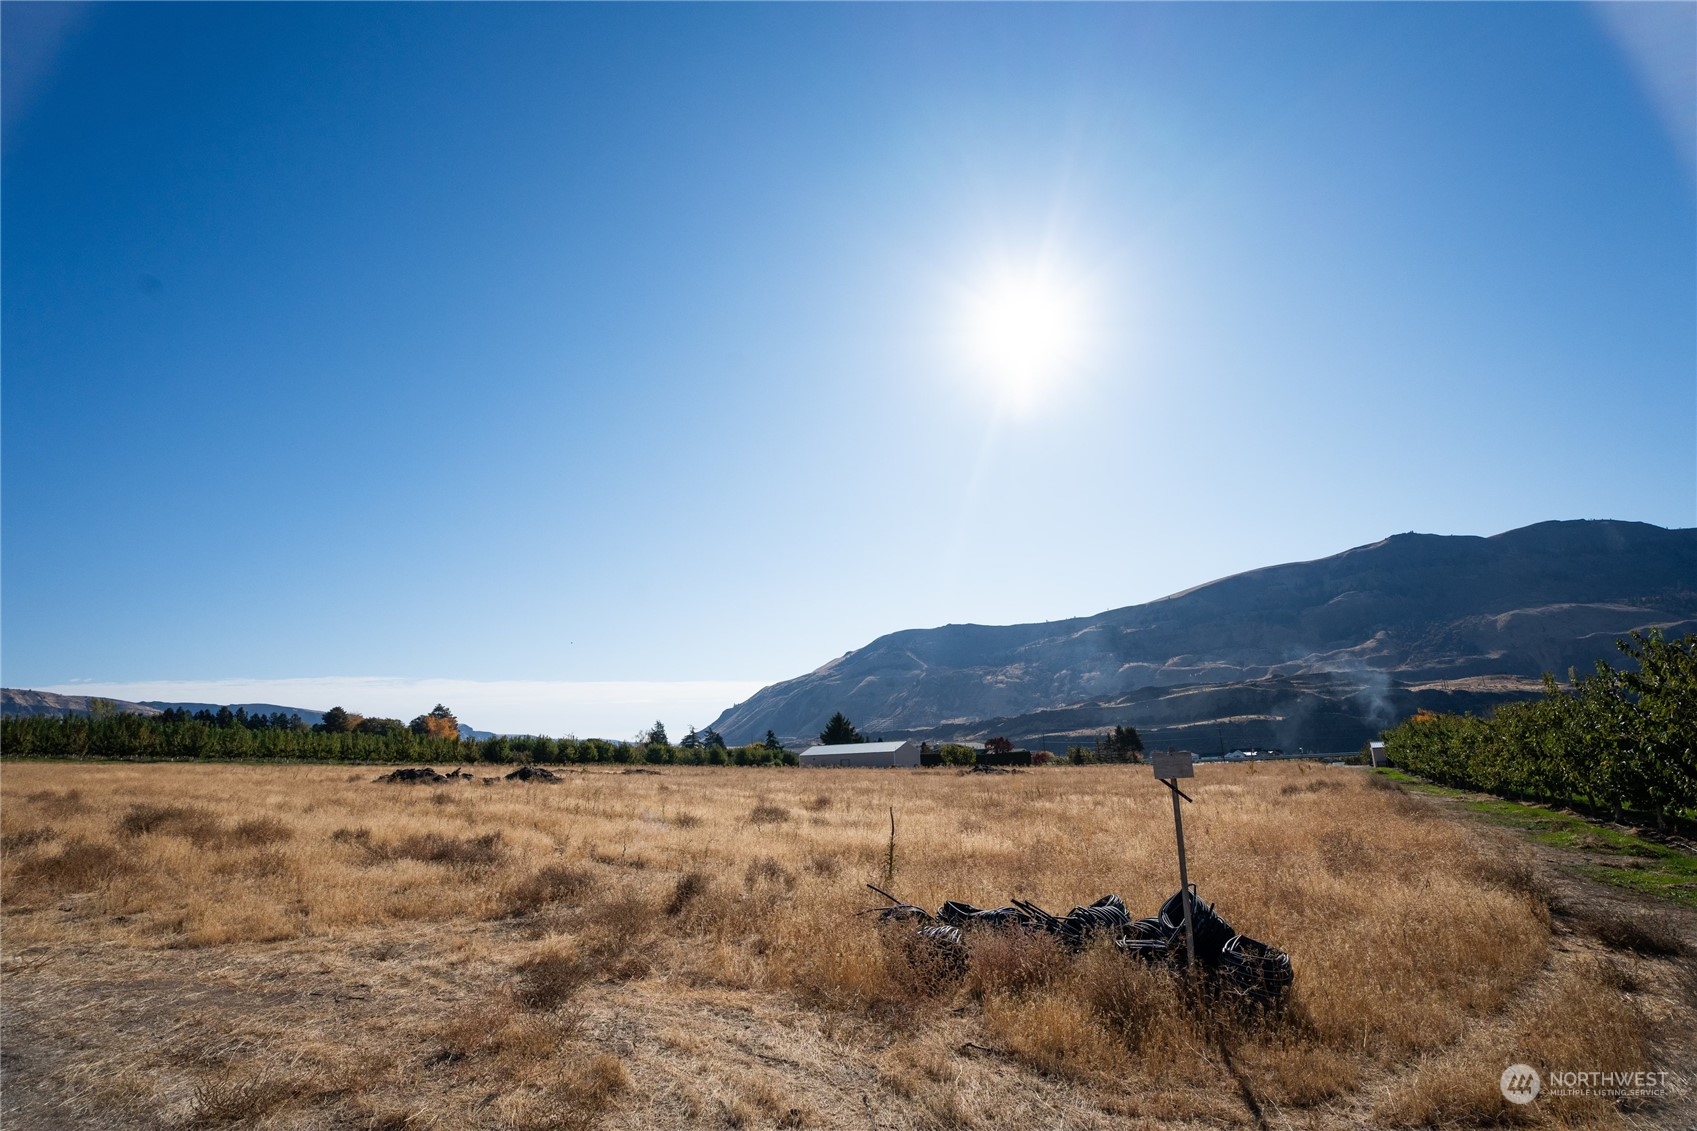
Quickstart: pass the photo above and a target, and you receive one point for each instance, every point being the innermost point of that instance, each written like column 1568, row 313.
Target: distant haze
column 587, row 710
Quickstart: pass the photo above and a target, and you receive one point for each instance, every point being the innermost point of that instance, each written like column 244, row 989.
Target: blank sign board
column 1173, row 764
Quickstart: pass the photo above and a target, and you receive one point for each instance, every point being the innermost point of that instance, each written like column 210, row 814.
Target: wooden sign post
column 1169, row 767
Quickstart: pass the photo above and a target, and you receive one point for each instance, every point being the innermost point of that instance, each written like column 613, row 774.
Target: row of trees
column 183, row 736
column 1122, row 744
column 438, row 723
column 1619, row 739
column 225, row 718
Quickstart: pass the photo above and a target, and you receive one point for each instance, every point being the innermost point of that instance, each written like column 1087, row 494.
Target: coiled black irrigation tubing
column 1236, row 965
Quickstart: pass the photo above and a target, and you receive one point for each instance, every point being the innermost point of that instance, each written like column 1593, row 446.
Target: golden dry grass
column 296, row 946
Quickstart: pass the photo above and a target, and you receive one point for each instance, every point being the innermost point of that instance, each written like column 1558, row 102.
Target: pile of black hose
column 1247, row 969
column 1257, row 973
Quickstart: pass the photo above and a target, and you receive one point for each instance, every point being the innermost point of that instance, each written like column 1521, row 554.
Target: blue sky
column 600, row 362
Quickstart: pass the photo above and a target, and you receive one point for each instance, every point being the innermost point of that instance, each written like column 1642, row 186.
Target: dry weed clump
column 1012, row 963
column 28, row 838
column 690, row 887
column 550, row 884
column 57, row 803
column 547, row 963
column 195, row 822
column 766, row 813
column 1625, row 929
column 230, row 1099
column 548, row 980
column 765, row 876
column 470, row 852
column 77, row 865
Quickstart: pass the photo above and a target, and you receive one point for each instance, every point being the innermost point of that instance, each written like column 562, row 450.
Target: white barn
column 863, row 754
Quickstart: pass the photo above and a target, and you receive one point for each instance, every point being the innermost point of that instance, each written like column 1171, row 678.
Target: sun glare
column 1024, row 332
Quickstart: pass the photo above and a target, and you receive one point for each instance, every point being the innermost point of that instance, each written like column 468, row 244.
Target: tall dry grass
column 1415, row 943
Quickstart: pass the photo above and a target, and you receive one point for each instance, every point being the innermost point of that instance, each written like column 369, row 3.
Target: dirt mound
column 533, row 773
column 413, row 775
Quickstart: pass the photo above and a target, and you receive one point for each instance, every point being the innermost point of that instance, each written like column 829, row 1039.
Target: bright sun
column 1024, row 332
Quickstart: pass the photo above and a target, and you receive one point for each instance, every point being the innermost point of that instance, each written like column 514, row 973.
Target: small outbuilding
column 863, row 754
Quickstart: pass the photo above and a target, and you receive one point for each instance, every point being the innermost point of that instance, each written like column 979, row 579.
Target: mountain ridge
column 1410, row 610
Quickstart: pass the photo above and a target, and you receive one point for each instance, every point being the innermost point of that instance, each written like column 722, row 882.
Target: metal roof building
column 863, row 754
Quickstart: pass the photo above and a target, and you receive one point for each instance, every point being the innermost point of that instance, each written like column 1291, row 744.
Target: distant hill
column 1319, row 654
column 23, row 702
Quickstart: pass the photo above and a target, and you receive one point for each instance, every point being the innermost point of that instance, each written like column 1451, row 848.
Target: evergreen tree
column 839, row 731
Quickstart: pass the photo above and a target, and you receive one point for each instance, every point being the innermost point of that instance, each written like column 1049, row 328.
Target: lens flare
column 1024, row 332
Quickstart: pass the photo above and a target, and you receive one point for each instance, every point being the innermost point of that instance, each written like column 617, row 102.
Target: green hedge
column 1619, row 739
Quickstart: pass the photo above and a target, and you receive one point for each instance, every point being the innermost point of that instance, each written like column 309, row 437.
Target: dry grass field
column 198, row 946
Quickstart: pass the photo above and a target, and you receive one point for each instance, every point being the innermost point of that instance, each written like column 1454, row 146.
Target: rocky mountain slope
column 21, row 702
column 1309, row 653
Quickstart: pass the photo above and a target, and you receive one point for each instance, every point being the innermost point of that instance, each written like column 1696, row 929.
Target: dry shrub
column 683, row 820
column 360, row 835
column 1503, row 861
column 28, row 838
column 572, row 1101
column 818, row 804
column 766, row 813
column 1398, row 799
column 1320, row 786
column 1298, row 1074
column 614, row 936
column 597, row 1081
column 548, row 980
column 1141, row 1005
column 192, row 821
column 921, row 967
column 79, row 865
column 228, row 1099
column 765, row 874
column 690, row 887
column 1012, row 961
column 624, row 859
column 472, row 1032
column 827, row 867
column 1620, row 928
column 946, row 1110
column 261, row 863
column 854, row 970
column 260, row 830
column 1056, row 1035
column 553, row 883
column 55, row 803
column 437, row 848
column 1344, row 851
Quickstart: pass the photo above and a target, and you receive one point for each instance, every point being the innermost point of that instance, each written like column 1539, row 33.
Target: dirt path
column 1634, row 932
